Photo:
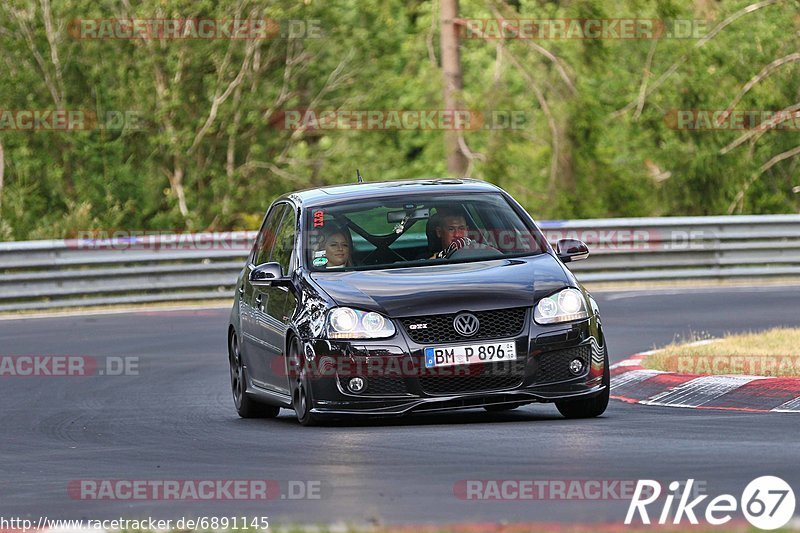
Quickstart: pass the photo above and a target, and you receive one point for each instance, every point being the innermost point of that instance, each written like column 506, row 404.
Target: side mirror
column 267, row 275
column 571, row 250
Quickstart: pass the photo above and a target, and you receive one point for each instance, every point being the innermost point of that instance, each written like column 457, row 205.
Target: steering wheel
column 465, row 248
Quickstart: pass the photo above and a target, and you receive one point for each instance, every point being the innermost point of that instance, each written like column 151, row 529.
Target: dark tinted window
column 417, row 230
column 282, row 252
column 266, row 237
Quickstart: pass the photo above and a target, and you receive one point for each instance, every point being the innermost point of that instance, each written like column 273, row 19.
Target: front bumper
column 452, row 403
column 397, row 383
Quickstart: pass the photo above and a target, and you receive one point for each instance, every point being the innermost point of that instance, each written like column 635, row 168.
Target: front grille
column 475, row 378
column 379, row 386
column 554, row 366
column 496, row 324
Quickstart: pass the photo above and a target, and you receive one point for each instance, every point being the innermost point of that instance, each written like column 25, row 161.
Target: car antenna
column 358, row 175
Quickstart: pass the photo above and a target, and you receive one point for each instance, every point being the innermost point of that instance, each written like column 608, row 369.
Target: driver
column 451, row 230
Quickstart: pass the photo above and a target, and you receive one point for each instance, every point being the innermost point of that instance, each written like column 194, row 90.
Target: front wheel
column 245, row 406
column 591, row 407
column 302, row 394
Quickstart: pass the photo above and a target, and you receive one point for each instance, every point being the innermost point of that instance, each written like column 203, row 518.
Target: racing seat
column 434, row 242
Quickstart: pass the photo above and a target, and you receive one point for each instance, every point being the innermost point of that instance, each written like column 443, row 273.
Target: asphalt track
column 175, row 421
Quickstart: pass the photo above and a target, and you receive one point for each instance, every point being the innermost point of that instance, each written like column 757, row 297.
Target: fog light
column 356, row 385
column 576, row 366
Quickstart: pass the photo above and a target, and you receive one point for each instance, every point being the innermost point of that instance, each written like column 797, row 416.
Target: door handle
column 258, row 300
column 241, row 289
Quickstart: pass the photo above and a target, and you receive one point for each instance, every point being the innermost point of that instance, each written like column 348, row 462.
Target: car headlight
column 346, row 323
column 563, row 306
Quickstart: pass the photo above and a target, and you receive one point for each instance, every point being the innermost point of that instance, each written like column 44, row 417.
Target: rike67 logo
column 767, row 502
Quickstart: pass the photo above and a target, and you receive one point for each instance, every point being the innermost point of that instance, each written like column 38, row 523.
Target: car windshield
column 417, row 230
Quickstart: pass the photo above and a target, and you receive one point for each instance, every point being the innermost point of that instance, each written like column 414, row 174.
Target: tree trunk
column 451, row 68
column 176, row 182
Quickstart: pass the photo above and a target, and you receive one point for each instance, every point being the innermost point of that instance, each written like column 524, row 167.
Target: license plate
column 470, row 354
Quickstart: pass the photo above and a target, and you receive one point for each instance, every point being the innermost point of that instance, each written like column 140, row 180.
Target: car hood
column 436, row 289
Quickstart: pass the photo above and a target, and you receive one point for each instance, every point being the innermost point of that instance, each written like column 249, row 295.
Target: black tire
column 245, row 405
column 590, row 407
column 302, row 393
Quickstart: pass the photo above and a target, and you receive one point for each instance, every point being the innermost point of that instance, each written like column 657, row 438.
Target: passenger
column 451, row 230
column 333, row 249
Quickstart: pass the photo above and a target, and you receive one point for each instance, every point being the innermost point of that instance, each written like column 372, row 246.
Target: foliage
column 207, row 151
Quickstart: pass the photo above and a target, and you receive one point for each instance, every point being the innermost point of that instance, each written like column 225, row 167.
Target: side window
column 266, row 237
column 491, row 225
column 284, row 244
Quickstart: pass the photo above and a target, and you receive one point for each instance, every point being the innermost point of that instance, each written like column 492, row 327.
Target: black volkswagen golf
column 391, row 298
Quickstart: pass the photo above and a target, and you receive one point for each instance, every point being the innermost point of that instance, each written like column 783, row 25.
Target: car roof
column 353, row 191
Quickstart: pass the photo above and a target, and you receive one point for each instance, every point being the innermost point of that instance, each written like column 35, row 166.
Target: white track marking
column 634, row 376
column 792, row 406
column 699, row 391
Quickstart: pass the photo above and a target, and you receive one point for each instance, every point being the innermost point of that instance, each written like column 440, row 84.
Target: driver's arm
column 457, row 244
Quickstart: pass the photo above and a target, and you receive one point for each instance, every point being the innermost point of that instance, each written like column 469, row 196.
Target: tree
column 451, row 71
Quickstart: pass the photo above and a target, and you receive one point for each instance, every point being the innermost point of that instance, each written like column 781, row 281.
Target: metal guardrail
column 68, row 273
column 120, row 270
column 683, row 248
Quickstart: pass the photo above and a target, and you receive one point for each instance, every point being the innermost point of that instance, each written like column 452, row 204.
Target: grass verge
column 775, row 352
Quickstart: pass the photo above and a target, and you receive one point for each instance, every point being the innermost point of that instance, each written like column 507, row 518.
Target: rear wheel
column 590, row 407
column 302, row 394
column 245, row 406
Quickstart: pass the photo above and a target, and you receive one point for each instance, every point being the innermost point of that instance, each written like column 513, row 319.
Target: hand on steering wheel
column 457, row 244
